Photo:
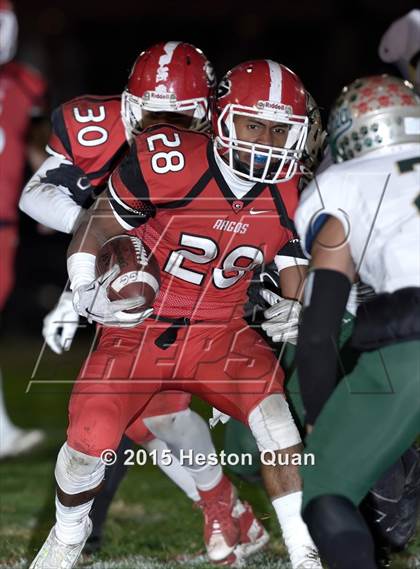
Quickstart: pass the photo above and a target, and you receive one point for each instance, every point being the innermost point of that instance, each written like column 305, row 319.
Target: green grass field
column 151, row 523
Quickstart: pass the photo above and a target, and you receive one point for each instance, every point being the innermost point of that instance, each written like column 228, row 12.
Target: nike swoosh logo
column 257, row 211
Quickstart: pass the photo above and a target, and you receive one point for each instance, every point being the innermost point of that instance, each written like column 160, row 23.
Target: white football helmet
column 371, row 113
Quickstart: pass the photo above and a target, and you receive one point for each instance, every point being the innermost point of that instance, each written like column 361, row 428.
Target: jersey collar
column 254, row 189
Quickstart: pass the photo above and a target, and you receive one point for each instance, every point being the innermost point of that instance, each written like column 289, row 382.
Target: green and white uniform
column 374, row 414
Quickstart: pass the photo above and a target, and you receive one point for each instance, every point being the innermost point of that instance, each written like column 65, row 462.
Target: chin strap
column 245, row 169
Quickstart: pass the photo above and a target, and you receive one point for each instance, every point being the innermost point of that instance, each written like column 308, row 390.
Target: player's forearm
column 292, row 281
column 47, row 203
column 97, row 226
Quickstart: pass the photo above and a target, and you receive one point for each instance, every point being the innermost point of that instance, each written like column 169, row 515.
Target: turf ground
column 152, row 525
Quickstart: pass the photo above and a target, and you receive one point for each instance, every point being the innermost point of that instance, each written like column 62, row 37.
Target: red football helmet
column 8, row 31
column 269, row 91
column 169, row 77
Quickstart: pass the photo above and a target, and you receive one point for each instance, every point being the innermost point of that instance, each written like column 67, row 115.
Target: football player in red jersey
column 170, row 82
column 211, row 212
column 22, row 102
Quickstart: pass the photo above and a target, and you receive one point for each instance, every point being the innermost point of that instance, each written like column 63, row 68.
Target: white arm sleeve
column 81, row 269
column 48, row 204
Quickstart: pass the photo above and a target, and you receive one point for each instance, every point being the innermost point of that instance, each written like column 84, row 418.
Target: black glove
column 263, row 277
column 74, row 179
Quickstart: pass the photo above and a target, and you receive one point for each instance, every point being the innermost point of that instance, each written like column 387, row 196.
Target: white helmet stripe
column 169, row 49
column 275, row 82
column 165, row 59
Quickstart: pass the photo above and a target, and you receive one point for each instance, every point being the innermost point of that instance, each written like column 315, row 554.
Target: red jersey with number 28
column 207, row 242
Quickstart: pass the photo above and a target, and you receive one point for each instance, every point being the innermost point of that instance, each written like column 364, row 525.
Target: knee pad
column 77, row 472
column 181, row 431
column 272, row 424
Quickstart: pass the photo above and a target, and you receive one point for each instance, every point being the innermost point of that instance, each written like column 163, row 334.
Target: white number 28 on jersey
column 164, row 162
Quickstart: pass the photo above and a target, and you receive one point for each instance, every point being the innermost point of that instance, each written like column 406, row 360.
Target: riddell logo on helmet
column 159, row 95
column 287, row 109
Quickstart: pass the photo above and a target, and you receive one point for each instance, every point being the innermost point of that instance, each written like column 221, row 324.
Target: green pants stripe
column 347, row 361
column 238, row 437
column 372, row 417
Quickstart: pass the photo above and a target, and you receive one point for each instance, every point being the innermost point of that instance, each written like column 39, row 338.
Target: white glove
column 60, row 324
column 282, row 318
column 92, row 301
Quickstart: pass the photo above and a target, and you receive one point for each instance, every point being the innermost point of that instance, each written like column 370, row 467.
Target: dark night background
column 89, row 46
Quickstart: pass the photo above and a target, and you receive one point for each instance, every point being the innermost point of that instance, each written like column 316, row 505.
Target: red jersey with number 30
column 89, row 131
column 207, row 242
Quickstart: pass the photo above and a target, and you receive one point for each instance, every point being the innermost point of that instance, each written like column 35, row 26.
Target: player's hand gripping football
column 92, row 302
column 282, row 318
column 60, row 324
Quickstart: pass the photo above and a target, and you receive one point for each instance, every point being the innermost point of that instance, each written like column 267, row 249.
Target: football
column 139, row 276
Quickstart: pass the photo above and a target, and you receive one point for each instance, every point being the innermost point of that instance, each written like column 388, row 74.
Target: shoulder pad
column 29, row 77
column 88, row 130
column 290, row 194
column 30, row 81
column 326, row 195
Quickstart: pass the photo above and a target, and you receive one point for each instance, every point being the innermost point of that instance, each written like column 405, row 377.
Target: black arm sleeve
column 326, row 294
column 292, row 248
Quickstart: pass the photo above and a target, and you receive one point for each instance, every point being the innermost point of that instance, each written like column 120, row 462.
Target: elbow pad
column 49, row 204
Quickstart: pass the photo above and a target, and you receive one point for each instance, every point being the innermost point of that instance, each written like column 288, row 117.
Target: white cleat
column 310, row 560
column 55, row 554
column 221, row 527
column 19, row 442
column 253, row 536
